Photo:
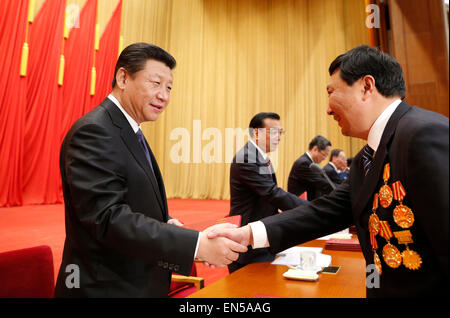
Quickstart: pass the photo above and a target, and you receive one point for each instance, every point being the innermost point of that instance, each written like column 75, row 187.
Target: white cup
column 307, row 260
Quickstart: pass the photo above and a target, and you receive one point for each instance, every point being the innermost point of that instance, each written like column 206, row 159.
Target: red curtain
column 13, row 20
column 41, row 178
column 79, row 58
column 35, row 112
column 107, row 56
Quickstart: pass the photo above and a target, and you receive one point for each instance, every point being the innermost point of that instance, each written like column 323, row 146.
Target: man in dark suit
column 254, row 193
column 302, row 178
column 336, row 165
column 120, row 240
column 404, row 234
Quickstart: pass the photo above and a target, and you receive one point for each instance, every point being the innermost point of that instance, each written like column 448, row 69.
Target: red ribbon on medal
column 375, row 202
column 385, row 230
column 398, row 191
column 386, row 173
column 373, row 241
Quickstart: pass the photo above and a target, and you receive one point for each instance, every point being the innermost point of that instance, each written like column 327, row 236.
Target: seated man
column 254, row 193
column 337, row 165
column 302, row 179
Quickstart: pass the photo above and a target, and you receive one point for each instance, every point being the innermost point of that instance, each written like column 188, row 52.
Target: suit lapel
column 374, row 175
column 129, row 137
column 256, row 156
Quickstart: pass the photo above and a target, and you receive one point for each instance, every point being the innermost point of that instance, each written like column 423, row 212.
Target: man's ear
column 121, row 77
column 369, row 88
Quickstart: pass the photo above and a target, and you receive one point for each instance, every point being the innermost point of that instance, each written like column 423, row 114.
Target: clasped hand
column 221, row 244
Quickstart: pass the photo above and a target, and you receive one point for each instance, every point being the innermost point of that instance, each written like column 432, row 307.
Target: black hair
column 335, row 153
column 134, row 57
column 319, row 141
column 258, row 120
column 365, row 60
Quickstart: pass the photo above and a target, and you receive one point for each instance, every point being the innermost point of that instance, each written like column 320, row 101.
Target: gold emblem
column 403, row 216
column 385, row 195
column 374, row 224
column 392, row 256
column 411, row 259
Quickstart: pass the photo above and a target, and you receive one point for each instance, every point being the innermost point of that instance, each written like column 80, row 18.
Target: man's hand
column 219, row 251
column 242, row 235
column 175, row 222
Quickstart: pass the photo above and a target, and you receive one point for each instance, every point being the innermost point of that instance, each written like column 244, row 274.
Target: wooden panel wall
column 419, row 44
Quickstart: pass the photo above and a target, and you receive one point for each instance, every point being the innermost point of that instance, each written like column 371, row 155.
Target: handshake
column 221, row 244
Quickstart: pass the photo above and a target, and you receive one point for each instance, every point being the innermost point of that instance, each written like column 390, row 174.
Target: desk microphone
column 316, row 168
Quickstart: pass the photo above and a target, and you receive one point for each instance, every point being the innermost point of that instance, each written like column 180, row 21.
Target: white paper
column 344, row 234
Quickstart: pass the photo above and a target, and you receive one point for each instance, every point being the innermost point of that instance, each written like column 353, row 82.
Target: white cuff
column 196, row 247
column 259, row 234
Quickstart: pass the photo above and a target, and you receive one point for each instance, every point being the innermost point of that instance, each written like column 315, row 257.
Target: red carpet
column 27, row 226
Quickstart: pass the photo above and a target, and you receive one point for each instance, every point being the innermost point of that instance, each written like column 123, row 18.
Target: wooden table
column 265, row 279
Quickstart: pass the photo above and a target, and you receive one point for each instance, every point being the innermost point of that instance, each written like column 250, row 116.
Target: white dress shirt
column 373, row 140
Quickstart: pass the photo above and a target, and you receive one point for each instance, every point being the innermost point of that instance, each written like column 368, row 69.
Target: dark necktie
column 269, row 167
column 143, row 144
column 367, row 157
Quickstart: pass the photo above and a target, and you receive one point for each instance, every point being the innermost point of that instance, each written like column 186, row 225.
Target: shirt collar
column 263, row 154
column 309, row 155
column 130, row 119
column 376, row 131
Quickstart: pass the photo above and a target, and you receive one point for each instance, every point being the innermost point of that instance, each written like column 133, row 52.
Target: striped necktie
column 367, row 157
column 143, row 144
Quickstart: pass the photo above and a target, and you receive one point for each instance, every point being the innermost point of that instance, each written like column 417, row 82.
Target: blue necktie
column 367, row 157
column 143, row 144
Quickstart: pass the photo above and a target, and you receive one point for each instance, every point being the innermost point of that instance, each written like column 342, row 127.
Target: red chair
column 27, row 273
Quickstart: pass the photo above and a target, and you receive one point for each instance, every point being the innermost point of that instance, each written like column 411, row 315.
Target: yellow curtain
column 237, row 58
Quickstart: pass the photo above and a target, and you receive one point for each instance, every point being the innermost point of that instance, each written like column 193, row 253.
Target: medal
column 374, row 221
column 385, row 193
column 391, row 254
column 411, row 259
column 403, row 216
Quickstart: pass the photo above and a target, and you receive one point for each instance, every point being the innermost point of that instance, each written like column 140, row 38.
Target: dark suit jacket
column 332, row 174
column 116, row 213
column 416, row 144
column 302, row 179
column 254, row 194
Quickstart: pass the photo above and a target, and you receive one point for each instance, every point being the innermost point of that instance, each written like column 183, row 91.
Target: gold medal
column 374, row 221
column 374, row 224
column 377, row 262
column 403, row 216
column 392, row 256
column 411, row 259
column 385, row 193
